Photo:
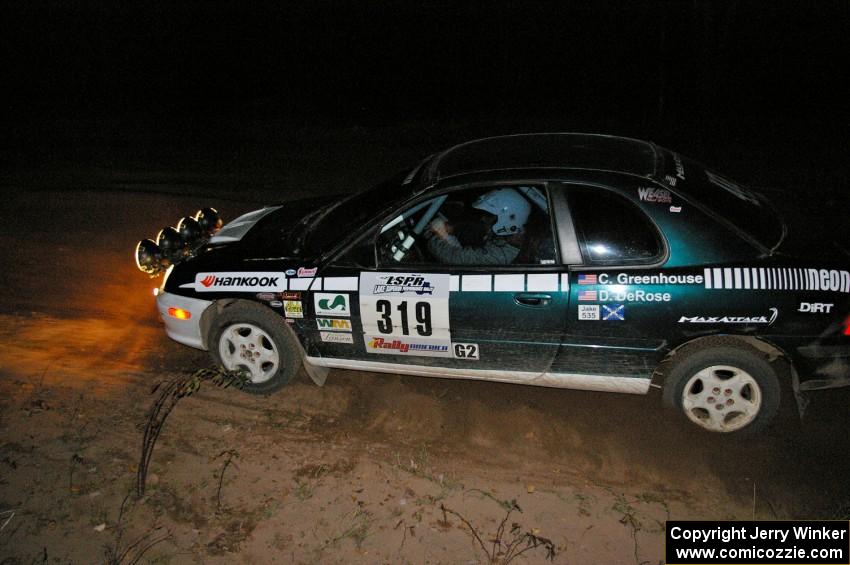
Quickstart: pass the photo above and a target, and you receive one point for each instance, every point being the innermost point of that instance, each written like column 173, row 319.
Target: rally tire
column 723, row 389
column 248, row 336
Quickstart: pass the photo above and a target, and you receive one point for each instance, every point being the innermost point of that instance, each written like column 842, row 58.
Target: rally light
column 179, row 313
column 148, row 257
column 847, row 326
column 173, row 245
column 189, row 230
column 209, row 220
column 170, row 243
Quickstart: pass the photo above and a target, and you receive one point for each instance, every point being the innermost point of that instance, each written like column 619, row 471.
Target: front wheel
column 252, row 338
column 724, row 389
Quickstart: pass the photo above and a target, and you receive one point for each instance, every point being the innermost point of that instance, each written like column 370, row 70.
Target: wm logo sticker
column 334, row 325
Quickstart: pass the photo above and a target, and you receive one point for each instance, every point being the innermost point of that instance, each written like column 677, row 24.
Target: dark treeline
column 384, row 60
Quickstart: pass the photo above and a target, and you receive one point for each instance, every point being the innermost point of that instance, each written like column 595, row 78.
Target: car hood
column 271, row 232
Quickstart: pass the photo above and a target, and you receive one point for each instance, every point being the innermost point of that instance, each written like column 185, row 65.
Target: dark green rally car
column 561, row 260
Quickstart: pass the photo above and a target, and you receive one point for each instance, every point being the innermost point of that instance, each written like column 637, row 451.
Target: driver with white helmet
column 507, row 213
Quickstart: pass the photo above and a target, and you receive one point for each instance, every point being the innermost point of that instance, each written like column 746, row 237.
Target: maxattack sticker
column 334, row 324
column 766, row 320
column 588, row 311
column 237, row 282
column 336, row 337
column 293, row 309
column 466, row 351
column 331, row 304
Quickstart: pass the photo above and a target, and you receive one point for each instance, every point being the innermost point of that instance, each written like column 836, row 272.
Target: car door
column 496, row 321
column 612, row 334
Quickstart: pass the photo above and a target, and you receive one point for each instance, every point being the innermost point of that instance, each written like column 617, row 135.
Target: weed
column 170, row 392
column 507, row 545
column 358, row 531
column 132, row 553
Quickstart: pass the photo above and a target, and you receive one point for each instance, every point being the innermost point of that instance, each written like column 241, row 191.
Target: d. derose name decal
column 237, row 282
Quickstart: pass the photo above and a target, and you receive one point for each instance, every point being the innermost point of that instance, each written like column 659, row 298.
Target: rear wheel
column 252, row 338
column 723, row 389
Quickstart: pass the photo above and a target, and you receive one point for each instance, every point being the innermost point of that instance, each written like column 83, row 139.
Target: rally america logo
column 767, row 320
column 240, row 282
column 411, row 283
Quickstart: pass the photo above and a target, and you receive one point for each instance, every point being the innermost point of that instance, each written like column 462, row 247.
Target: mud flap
column 317, row 374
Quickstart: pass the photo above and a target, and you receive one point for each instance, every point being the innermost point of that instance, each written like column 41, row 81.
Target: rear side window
column 612, row 230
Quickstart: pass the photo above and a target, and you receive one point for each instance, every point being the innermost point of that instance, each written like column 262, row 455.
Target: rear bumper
column 824, row 366
column 187, row 332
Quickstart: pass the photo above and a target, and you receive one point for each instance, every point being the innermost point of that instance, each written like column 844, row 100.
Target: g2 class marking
column 466, row 351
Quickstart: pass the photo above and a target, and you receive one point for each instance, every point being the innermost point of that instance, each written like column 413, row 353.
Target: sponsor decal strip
column 515, row 282
column 777, row 278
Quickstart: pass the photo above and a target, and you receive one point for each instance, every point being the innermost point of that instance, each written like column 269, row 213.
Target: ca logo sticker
column 331, row 304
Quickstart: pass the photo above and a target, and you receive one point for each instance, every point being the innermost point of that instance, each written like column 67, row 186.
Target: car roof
column 543, row 151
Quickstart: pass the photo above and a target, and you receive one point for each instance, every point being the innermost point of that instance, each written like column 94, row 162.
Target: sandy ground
column 356, row 471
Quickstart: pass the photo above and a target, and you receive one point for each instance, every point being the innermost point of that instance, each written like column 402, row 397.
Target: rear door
column 618, row 291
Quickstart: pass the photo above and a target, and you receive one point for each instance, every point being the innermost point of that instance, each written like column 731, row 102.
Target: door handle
column 532, row 299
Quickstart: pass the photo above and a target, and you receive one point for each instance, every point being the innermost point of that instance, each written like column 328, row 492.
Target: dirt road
column 356, row 471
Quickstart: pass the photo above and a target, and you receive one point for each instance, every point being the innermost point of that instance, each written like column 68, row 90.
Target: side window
column 482, row 226
column 613, row 230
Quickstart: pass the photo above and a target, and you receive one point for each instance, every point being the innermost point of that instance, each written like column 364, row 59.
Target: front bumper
column 187, row 332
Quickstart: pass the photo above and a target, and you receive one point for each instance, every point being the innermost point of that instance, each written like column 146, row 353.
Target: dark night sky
column 632, row 66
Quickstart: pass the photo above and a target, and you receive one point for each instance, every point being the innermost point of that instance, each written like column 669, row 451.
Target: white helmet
column 509, row 207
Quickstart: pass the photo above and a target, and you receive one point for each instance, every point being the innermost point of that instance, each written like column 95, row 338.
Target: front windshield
column 342, row 218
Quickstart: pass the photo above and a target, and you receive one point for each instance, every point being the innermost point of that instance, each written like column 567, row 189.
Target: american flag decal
column 587, row 279
column 587, row 295
column 776, row 278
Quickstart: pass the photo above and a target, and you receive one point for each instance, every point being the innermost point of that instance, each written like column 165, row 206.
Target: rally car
column 562, row 260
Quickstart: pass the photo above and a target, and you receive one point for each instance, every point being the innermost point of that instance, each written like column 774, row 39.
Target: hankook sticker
column 237, row 282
